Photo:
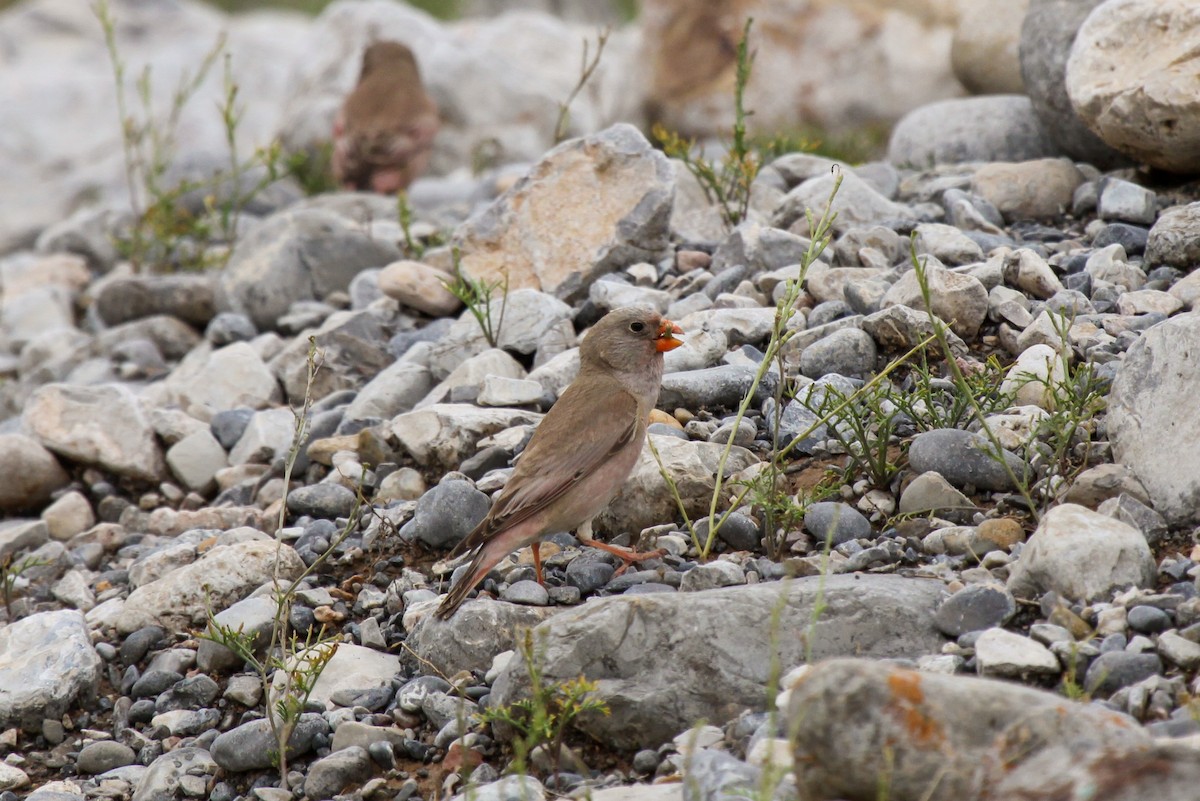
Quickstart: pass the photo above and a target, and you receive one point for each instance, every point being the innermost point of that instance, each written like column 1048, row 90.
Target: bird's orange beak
column 665, row 340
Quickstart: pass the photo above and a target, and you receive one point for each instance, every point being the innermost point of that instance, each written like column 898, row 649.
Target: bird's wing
column 593, row 420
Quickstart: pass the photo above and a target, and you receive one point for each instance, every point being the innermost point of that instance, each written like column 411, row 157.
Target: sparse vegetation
column 587, row 67
column 11, row 573
column 479, row 296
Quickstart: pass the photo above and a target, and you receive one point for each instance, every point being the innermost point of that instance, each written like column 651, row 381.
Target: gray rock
column 195, row 460
column 738, row 531
column 1006, row 654
column 843, row 709
column 959, row 299
column 589, row 572
column 253, row 616
column 29, row 474
column 900, row 328
column 526, row 592
column 1047, row 33
column 930, row 492
column 836, row 522
column 975, row 607
column 105, row 426
column 1148, row 620
column 1150, row 410
column 1130, row 510
column 711, row 576
column 296, row 255
column 759, row 248
column 445, row 434
column 353, row 347
column 510, row 788
column 715, row 387
column 331, row 775
column 183, row 296
column 1126, row 201
column 963, row 458
column 168, row 776
column 1166, row 770
column 519, row 237
column 993, row 128
column 229, row 327
column 472, row 638
column 249, row 746
column 849, row 352
column 325, row 501
column 49, row 663
column 446, row 514
column 1081, row 555
column 190, row 693
column 1112, row 670
column 1179, row 650
column 857, row 204
column 104, row 755
column 657, row 684
column 1174, row 238
column 225, row 378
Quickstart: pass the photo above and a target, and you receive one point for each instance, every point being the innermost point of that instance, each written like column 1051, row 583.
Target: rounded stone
column 446, row 514
column 526, row 592
column 103, row 756
column 29, row 473
column 1148, row 620
column 848, row 351
column 836, row 521
column 325, row 501
column 975, row 607
column 962, row 458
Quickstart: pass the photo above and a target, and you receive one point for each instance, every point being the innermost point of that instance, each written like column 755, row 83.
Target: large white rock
column 1153, row 416
column 1137, row 91
column 46, row 662
column 104, row 426
column 1082, row 555
column 224, row 575
column 444, row 434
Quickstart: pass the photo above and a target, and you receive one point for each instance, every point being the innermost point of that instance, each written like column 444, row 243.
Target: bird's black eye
column 637, row 328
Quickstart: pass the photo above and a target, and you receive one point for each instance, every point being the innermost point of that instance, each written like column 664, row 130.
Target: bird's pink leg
column 628, row 556
column 537, row 562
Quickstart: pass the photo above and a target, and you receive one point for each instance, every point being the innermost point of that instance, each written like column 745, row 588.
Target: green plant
column 478, row 295
column 586, row 69
column 546, row 715
column 10, row 575
column 176, row 223
column 931, row 402
column 287, row 665
column 728, row 182
column 864, row 425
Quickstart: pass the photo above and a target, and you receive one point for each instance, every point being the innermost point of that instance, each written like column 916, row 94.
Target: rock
column 29, row 474
column 49, row 663
column 104, row 755
column 711, row 576
column 222, row 576
column 182, row 296
column 296, row 255
column 1028, row 190
column 352, row 670
column 852, row 708
column 690, row 54
column 253, row 617
column 1036, row 377
column 1112, row 670
column 1111, row 264
column 524, row 318
column 168, row 775
column 947, row 244
column 324, row 501
column 394, row 390
column 1047, row 35
column 1029, row 272
column 104, row 426
column 994, row 129
column 975, row 607
column 351, row 346
column 510, row 788
column 1148, row 301
column 1004, row 654
column 1179, row 651
column 1174, row 238
column 610, row 294
column 1131, row 91
column 1124, row 200
column 195, row 460
column 520, row 237
column 655, row 691
column 1097, row 484
column 502, row 391
column 713, row 388
column 900, row 328
column 446, row 514
column 526, row 592
column 250, row 745
column 963, row 458
column 419, row 287
column 835, row 522
column 1082, row 556
column 214, row 381
column 850, row 352
column 961, row 300
column 332, row 774
column 984, row 53
column 473, row 637
column 445, row 434
column 467, row 377
column 1150, row 406
column 267, row 437
column 645, row 499
column 930, row 492
column 857, row 203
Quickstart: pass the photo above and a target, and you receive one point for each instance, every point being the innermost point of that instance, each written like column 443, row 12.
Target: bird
column 383, row 134
column 581, row 452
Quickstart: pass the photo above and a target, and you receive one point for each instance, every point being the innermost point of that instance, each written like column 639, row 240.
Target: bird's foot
column 628, row 556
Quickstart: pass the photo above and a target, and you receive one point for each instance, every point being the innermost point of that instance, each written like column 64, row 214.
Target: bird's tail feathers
column 480, row 566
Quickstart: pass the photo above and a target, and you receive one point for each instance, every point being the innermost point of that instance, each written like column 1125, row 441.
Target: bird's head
column 393, row 57
column 628, row 338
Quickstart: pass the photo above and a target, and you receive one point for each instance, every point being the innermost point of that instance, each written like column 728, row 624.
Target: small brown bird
column 582, row 451
column 384, row 132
